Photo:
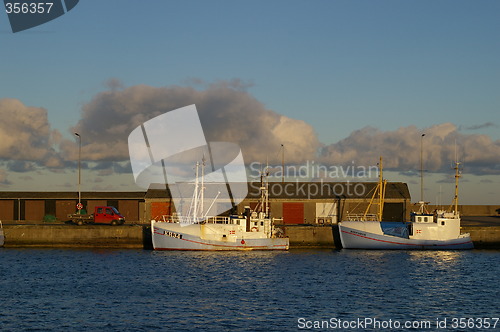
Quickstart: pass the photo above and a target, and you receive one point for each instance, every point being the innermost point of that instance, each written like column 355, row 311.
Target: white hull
column 356, row 239
column 173, row 236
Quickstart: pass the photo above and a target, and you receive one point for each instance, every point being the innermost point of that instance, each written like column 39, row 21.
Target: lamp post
column 421, row 168
column 79, row 170
column 282, row 163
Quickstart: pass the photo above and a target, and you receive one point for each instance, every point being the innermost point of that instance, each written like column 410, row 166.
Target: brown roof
column 70, row 195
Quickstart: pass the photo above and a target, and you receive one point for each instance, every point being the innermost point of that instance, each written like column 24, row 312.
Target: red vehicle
column 102, row 215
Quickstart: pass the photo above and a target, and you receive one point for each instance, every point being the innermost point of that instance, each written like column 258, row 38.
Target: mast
column 380, row 192
column 195, row 195
column 202, row 194
column 421, row 168
column 457, row 176
column 382, row 184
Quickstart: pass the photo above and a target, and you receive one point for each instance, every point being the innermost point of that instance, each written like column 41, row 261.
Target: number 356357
column 28, row 8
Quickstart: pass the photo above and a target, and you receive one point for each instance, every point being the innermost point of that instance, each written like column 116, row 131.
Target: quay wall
column 73, row 236
column 139, row 236
column 487, row 237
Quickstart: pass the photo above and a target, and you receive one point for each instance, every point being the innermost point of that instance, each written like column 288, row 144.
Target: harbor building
column 38, row 206
column 294, row 202
column 307, row 202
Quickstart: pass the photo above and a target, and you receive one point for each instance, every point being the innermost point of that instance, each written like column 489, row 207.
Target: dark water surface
column 140, row 290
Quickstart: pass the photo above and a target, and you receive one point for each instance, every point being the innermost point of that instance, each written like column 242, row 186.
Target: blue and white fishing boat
column 439, row 230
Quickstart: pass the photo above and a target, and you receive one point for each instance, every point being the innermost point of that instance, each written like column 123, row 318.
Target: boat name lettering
column 358, row 233
column 172, row 234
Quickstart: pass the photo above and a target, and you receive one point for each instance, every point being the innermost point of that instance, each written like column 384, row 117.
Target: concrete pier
column 61, row 235
column 485, row 233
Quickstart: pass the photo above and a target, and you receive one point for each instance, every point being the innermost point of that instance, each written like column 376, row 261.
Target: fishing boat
column 439, row 230
column 254, row 230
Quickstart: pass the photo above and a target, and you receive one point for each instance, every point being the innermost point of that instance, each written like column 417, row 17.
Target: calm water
column 139, row 290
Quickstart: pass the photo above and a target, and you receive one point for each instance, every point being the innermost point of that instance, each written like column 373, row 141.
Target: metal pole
column 282, row 163
column 421, row 168
column 79, row 169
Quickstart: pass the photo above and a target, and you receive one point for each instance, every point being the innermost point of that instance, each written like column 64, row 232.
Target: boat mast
column 195, row 195
column 380, row 192
column 421, row 168
column 202, row 194
column 457, row 176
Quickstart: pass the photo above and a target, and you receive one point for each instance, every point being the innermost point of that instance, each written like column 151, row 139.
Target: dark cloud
column 480, row 126
column 227, row 113
column 21, row 166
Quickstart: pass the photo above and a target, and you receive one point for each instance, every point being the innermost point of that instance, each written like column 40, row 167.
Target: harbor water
column 142, row 290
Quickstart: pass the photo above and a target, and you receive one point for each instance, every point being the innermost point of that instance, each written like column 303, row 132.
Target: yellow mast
column 380, row 192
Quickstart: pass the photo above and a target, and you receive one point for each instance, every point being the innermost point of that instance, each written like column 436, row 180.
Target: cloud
column 401, row 149
column 480, row 126
column 3, row 178
column 227, row 113
column 26, row 136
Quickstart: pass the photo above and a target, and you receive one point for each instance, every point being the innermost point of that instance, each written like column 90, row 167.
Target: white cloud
column 401, row 149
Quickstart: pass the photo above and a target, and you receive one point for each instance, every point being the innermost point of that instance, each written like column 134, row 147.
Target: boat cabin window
column 425, row 219
column 262, row 223
column 442, row 223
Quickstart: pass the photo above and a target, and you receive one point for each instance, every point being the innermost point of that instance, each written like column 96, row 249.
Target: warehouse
column 307, row 202
column 37, row 206
column 293, row 202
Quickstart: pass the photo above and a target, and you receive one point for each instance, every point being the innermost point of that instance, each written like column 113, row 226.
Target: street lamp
column 79, row 170
column 282, row 163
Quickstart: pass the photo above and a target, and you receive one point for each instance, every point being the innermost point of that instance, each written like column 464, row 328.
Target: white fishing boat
column 439, row 230
column 197, row 231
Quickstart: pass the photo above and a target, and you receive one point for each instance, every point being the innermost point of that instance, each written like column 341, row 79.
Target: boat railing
column 278, row 221
column 362, row 217
column 217, row 220
column 190, row 220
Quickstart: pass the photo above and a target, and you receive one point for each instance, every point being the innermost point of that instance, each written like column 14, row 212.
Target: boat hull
column 167, row 236
column 355, row 239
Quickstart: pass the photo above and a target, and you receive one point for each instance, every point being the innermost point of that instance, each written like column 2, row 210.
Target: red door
column 293, row 213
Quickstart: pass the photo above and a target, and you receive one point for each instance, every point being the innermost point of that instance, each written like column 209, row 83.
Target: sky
column 338, row 83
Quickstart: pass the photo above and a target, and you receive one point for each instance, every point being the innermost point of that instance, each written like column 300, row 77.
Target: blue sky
column 340, row 66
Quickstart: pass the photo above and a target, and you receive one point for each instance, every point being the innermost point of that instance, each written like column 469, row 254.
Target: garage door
column 293, row 213
column 129, row 209
column 6, row 210
column 34, row 210
column 159, row 209
column 63, row 208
